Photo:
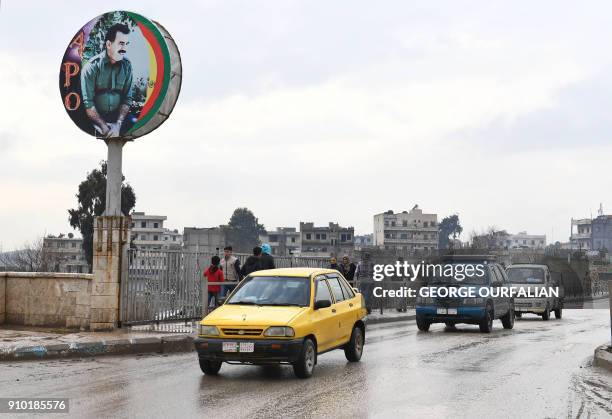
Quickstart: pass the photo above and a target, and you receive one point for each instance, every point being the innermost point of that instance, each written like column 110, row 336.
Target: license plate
column 230, row 347
column 441, row 311
column 238, row 347
column 452, row 311
column 247, row 347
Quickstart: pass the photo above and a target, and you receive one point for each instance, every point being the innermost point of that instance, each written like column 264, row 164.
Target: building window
column 174, row 238
column 292, row 239
column 155, row 225
column 386, row 223
column 425, row 224
column 143, row 237
column 403, row 236
column 323, row 236
column 132, row 225
column 308, row 236
column 317, row 237
column 143, row 224
column 392, row 223
column 73, row 245
column 156, row 237
column 405, row 223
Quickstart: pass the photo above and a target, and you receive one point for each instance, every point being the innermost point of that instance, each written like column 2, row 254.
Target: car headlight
column 473, row 300
column 279, row 331
column 209, row 330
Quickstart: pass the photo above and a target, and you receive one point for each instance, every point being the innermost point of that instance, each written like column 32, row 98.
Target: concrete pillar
column 111, row 237
column 114, row 177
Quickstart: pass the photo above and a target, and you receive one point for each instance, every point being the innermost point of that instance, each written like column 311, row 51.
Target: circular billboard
column 120, row 76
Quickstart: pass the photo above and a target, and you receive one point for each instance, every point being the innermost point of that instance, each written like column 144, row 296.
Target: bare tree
column 31, row 257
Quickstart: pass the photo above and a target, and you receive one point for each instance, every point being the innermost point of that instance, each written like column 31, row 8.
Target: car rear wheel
column 305, row 364
column 486, row 325
column 210, row 367
column 423, row 325
column 546, row 314
column 449, row 324
column 508, row 319
column 558, row 313
column 354, row 348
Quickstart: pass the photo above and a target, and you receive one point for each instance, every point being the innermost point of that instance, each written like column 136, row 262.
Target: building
column 204, row 240
column 580, row 234
column 601, row 232
column 64, row 253
column 524, row 240
column 284, row 241
column 365, row 240
column 149, row 233
column 332, row 240
column 407, row 230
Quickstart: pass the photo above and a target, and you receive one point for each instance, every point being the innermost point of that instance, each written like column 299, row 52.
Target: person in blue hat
column 266, row 261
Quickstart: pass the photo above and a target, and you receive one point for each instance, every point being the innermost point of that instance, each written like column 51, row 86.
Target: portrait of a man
column 106, row 83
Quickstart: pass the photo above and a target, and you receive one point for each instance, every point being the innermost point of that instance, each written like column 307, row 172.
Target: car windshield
column 460, row 273
column 526, row 275
column 272, row 291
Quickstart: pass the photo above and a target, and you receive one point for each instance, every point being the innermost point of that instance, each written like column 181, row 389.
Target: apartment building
column 406, row 230
column 148, row 233
column 331, row 240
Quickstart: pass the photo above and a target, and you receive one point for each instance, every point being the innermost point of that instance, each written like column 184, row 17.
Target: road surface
column 539, row 369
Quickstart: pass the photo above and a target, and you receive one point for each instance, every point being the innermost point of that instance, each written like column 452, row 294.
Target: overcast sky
column 330, row 111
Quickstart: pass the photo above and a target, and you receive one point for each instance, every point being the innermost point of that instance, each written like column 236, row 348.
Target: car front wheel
column 305, row 364
column 210, row 367
column 508, row 319
column 486, row 325
column 354, row 348
column 423, row 325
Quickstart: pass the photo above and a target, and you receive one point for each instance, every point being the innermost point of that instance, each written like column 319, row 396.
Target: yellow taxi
column 284, row 316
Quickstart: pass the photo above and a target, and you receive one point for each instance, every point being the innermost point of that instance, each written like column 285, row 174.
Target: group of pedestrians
column 346, row 268
column 228, row 269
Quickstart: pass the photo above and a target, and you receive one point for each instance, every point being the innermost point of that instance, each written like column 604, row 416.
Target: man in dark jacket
column 252, row 263
column 266, row 261
column 347, row 269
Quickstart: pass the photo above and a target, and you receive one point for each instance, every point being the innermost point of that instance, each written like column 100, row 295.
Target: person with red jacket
column 214, row 273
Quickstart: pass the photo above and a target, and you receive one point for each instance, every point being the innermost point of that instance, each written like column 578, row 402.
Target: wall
column 45, row 299
column 2, row 297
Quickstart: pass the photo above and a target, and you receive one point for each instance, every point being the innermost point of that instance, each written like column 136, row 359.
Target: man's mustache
column 121, row 51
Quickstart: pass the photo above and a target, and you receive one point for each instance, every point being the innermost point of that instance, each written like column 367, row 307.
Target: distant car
column 471, row 310
column 534, row 277
column 284, row 316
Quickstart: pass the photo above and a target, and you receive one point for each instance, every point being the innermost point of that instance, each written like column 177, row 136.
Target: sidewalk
column 31, row 343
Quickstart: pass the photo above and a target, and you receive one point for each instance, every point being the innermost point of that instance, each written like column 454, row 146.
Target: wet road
column 539, row 369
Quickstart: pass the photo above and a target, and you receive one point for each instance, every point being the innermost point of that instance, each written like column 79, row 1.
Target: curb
column 603, row 357
column 162, row 345
column 381, row 320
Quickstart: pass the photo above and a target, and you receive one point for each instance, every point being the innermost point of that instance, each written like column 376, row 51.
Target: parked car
column 284, row 316
column 471, row 310
column 531, row 276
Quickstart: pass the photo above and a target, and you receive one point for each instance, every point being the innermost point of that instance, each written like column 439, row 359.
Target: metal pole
column 114, row 176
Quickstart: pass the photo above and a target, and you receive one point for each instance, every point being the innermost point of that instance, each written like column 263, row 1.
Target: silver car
column 533, row 277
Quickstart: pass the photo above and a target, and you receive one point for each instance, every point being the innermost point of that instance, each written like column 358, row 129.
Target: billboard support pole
column 114, row 177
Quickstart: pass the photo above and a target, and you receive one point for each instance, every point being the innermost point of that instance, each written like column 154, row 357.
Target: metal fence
column 167, row 285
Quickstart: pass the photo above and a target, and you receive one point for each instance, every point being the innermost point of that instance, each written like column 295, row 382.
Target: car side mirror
column 322, row 304
column 356, row 290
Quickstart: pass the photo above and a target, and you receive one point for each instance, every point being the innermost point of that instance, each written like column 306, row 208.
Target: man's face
column 227, row 253
column 117, row 49
column 333, row 260
column 345, row 260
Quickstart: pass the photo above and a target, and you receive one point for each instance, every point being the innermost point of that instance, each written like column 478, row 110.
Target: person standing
column 333, row 264
column 214, row 273
column 347, row 269
column 252, row 263
column 365, row 277
column 266, row 260
column 231, row 270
